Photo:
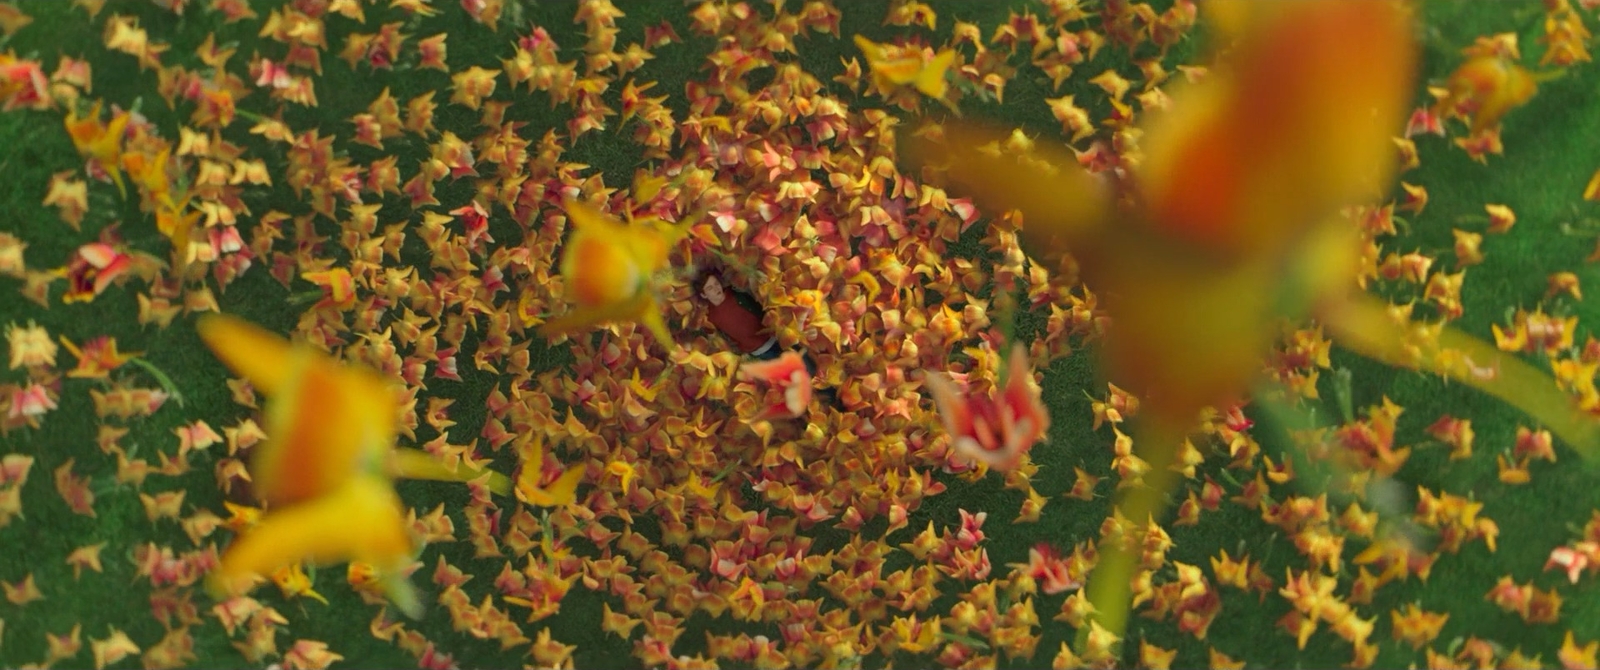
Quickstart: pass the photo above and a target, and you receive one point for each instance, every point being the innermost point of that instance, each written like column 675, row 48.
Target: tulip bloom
column 996, row 431
column 324, row 471
column 93, row 269
column 542, row 487
column 360, row 521
column 787, row 372
column 893, row 67
column 326, row 422
column 23, row 85
column 608, row 269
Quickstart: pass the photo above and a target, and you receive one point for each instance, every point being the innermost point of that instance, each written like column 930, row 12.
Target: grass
column 1550, row 145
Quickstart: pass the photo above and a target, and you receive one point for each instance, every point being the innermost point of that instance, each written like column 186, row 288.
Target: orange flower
column 98, row 357
column 895, row 66
column 338, row 287
column 1485, row 88
column 608, row 269
column 151, row 173
column 100, row 142
column 23, row 84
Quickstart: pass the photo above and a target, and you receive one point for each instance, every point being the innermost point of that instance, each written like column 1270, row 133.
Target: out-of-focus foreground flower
column 1227, row 220
column 323, row 473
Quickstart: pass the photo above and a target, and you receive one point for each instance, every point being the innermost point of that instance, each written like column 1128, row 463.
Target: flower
column 327, row 422
column 1047, row 568
column 607, row 268
column 789, row 374
column 93, row 268
column 998, row 430
column 324, row 471
column 1489, row 85
column 30, row 346
column 537, row 485
column 1574, row 559
column 895, row 66
column 361, row 521
column 99, row 141
column 97, row 358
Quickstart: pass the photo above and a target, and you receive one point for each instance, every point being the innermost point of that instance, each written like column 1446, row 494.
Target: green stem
column 252, row 115
column 965, row 639
column 1007, row 314
column 304, row 297
column 725, row 472
column 1228, row 477
column 161, row 378
column 1343, row 394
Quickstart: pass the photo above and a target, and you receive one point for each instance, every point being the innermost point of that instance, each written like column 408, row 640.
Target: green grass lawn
column 1552, row 146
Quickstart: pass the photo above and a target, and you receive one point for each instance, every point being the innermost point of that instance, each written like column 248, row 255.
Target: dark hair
column 708, row 271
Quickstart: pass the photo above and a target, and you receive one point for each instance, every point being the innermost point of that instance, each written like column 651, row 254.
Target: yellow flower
column 622, row 469
column 893, row 67
column 531, row 488
column 608, row 269
column 327, row 422
column 100, row 141
column 325, row 470
column 293, row 581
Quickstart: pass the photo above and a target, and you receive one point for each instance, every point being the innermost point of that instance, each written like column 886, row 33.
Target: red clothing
column 740, row 324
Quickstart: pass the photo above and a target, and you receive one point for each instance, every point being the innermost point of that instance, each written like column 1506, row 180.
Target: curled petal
column 360, row 521
column 418, row 464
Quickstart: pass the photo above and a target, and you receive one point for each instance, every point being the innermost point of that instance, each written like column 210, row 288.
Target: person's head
column 708, row 285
